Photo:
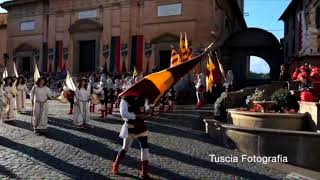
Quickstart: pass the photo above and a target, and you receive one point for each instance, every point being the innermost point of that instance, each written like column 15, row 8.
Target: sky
column 2, row 10
column 264, row 14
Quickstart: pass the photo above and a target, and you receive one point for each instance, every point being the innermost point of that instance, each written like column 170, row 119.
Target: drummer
column 69, row 95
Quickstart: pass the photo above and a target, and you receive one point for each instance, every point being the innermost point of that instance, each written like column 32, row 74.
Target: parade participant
column 163, row 103
column 133, row 110
column 39, row 96
column 82, row 96
column 229, row 81
column 21, row 93
column 103, row 90
column 200, row 86
column 295, row 74
column 9, row 92
column 70, row 97
column 93, row 85
column 118, row 90
column 110, row 95
column 171, row 99
column 2, row 103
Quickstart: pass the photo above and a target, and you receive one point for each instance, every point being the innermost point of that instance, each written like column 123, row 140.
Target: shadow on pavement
column 5, row 172
column 162, row 151
column 98, row 149
column 70, row 170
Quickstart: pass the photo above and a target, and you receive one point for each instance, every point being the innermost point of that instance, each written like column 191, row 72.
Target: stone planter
column 267, row 120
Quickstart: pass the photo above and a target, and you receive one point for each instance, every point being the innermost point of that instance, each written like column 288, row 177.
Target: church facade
column 83, row 35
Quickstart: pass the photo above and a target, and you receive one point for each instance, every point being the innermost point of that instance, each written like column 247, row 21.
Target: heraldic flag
column 157, row 84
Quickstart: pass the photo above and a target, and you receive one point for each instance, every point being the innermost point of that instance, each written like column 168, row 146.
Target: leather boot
column 70, row 112
column 93, row 107
column 145, row 170
column 161, row 108
column 115, row 166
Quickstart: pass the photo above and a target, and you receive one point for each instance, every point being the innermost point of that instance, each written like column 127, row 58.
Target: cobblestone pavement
column 177, row 151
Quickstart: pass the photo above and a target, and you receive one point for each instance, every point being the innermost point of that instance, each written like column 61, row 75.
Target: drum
column 95, row 99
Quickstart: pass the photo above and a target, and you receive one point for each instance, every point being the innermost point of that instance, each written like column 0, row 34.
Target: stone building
column 302, row 31
column 3, row 38
column 83, row 35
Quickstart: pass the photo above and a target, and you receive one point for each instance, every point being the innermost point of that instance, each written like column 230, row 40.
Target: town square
column 160, row 89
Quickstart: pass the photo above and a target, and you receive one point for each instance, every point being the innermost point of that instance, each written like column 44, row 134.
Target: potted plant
column 285, row 101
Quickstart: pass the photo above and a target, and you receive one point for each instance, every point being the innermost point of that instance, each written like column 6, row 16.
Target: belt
column 41, row 102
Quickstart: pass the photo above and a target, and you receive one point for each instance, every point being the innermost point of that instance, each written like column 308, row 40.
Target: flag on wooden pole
column 5, row 73
column 36, row 74
column 69, row 82
column 15, row 70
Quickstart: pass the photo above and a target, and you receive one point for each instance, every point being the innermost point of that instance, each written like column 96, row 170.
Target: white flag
column 5, row 73
column 69, row 82
column 36, row 74
column 15, row 70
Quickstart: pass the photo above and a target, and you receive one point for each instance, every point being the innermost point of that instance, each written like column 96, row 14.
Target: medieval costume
column 118, row 90
column 110, row 98
column 103, row 90
column 200, row 86
column 70, row 97
column 92, row 84
column 40, row 94
column 171, row 99
column 82, row 97
column 132, row 110
column 21, row 94
column 229, row 81
column 163, row 102
column 9, row 93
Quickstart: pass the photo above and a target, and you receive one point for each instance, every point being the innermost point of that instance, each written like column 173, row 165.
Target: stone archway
column 251, row 41
column 86, row 36
column 162, row 48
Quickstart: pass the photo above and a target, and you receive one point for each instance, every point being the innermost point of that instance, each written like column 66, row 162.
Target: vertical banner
column 58, row 57
column 137, row 53
column 124, row 54
column 45, row 58
column 115, row 54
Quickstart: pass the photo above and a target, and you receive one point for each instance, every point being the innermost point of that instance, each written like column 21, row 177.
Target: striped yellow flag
column 209, row 76
column 175, row 58
column 36, row 74
column 69, row 82
column 5, row 73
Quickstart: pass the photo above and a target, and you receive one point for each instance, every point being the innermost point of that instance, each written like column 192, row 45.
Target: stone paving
column 177, row 150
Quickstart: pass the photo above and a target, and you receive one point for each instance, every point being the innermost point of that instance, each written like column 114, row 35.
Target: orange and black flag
column 157, row 84
column 175, row 58
column 183, row 48
column 213, row 74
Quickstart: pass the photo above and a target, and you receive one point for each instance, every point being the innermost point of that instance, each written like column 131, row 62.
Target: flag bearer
column 81, row 111
column 40, row 94
column 133, row 110
column 22, row 90
column 9, row 93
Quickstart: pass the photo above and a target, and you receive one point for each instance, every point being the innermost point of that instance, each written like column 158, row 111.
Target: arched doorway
column 237, row 49
column 86, row 35
column 24, row 58
column 259, row 69
column 162, row 46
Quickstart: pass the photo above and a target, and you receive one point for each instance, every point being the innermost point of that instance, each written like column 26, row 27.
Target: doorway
column 165, row 58
column 87, row 56
column 26, row 65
